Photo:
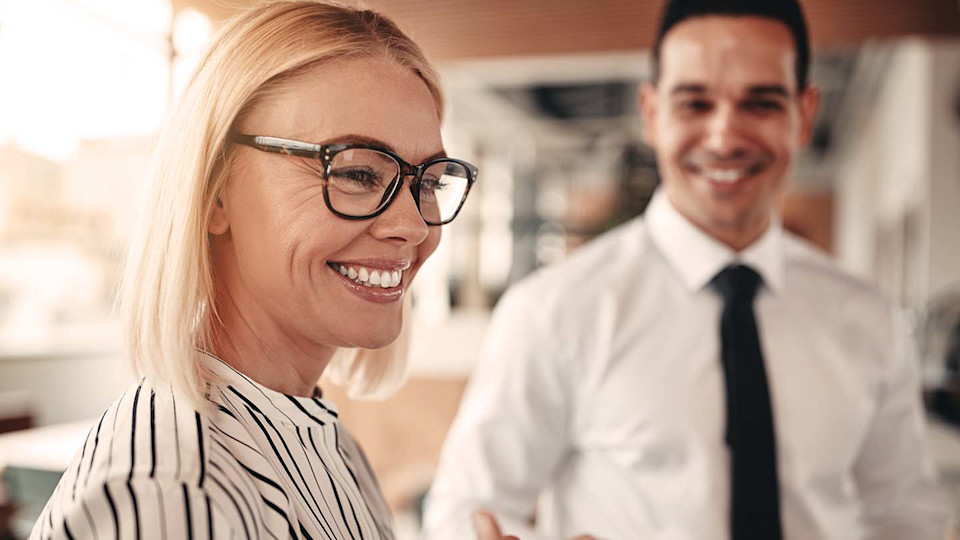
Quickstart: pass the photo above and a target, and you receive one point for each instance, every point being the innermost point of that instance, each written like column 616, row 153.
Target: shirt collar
column 697, row 258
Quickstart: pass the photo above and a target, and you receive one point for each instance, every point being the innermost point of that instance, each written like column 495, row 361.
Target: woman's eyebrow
column 359, row 139
column 375, row 143
column 439, row 155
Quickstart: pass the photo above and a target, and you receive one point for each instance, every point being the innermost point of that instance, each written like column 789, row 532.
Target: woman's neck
column 261, row 351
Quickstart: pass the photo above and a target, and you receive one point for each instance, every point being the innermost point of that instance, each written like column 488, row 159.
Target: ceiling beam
column 497, row 28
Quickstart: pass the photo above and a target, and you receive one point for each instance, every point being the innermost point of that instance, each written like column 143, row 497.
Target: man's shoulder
column 819, row 271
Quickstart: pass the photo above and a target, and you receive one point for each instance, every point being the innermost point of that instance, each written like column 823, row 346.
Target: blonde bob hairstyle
column 168, row 293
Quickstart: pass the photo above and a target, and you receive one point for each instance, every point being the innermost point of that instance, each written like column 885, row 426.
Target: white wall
column 898, row 185
column 945, row 170
column 64, row 388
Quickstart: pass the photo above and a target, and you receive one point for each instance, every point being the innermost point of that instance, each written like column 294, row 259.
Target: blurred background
column 542, row 98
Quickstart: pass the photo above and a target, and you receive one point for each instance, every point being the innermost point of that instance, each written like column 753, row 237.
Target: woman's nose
column 401, row 221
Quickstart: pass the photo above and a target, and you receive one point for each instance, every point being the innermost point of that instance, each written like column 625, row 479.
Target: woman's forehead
column 371, row 97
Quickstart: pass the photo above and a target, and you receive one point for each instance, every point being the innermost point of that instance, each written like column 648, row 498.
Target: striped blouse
column 266, row 465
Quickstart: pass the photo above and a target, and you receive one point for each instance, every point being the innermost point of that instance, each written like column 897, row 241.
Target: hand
column 487, row 528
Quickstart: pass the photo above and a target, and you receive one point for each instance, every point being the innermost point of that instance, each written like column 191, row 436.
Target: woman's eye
column 358, row 175
column 432, row 184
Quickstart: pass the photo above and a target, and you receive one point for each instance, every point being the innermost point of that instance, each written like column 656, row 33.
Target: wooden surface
column 810, row 216
column 492, row 28
column 402, row 436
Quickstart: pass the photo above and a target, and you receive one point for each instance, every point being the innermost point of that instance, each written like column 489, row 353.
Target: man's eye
column 763, row 106
column 694, row 106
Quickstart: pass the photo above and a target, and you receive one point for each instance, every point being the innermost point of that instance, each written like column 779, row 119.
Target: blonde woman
column 300, row 185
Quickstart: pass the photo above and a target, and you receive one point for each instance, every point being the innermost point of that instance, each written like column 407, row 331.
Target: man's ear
column 219, row 219
column 809, row 106
column 647, row 105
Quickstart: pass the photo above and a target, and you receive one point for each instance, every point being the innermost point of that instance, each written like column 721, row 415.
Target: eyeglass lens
column 361, row 181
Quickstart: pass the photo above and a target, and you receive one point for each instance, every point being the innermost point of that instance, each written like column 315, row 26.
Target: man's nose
column 723, row 135
column 401, row 222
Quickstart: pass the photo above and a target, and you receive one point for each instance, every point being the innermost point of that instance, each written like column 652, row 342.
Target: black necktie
column 755, row 500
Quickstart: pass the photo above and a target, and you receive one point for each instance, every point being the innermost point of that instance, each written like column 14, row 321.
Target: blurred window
column 85, row 86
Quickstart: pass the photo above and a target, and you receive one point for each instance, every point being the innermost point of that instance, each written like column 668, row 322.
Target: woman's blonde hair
column 168, row 297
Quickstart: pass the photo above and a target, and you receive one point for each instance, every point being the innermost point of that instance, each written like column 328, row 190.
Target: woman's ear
column 219, row 220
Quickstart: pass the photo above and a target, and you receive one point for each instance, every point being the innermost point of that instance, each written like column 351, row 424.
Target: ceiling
column 449, row 30
column 564, row 73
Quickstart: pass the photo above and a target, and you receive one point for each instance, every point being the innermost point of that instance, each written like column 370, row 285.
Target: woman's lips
column 377, row 295
column 374, row 280
column 369, row 277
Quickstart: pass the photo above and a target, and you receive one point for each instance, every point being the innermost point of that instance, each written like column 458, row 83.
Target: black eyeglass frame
column 326, row 152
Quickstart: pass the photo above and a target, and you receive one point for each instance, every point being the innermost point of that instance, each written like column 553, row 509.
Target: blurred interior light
column 191, row 32
column 552, row 199
column 551, row 243
column 95, row 69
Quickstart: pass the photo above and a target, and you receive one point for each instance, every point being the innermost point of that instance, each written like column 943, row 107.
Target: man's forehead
column 724, row 49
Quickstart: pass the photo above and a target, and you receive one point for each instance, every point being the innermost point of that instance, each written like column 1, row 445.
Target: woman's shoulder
column 151, row 445
column 150, row 431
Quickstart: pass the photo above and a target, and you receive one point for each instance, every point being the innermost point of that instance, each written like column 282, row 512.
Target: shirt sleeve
column 142, row 508
column 894, row 473
column 511, row 430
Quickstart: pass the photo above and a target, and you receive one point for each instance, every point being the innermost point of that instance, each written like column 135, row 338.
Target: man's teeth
column 371, row 277
column 726, row 176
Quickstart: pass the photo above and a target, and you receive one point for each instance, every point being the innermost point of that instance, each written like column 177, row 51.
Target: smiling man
column 727, row 117
column 699, row 373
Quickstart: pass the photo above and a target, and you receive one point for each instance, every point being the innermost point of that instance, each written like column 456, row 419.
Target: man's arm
column 894, row 473
column 511, row 430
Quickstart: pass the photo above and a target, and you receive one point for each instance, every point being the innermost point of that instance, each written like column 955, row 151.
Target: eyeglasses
column 360, row 182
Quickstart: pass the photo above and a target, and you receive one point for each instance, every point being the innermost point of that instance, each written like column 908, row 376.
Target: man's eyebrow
column 768, row 89
column 688, row 88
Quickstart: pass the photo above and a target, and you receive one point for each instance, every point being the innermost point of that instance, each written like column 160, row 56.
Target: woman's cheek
column 429, row 245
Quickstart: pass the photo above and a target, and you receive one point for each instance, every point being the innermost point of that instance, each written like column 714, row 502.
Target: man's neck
column 737, row 238
column 737, row 235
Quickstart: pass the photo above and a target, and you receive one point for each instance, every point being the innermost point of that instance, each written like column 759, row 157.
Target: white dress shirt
column 598, row 401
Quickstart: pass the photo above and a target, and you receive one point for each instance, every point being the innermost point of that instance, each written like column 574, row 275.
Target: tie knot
column 737, row 283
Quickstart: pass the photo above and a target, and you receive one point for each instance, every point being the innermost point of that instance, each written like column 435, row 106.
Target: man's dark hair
column 787, row 12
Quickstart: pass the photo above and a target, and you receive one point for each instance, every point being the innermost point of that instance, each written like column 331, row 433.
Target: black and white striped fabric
column 266, row 465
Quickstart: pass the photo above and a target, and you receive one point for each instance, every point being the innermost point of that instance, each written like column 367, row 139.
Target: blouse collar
column 243, row 391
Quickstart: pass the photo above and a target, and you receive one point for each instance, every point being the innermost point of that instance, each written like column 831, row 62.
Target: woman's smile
column 373, row 280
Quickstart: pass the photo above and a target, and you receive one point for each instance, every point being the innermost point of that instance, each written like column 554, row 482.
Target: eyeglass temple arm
column 279, row 145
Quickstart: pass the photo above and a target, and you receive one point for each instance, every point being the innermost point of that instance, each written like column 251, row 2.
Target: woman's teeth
column 370, row 277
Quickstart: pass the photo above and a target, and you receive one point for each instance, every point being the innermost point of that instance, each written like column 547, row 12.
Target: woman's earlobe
column 219, row 222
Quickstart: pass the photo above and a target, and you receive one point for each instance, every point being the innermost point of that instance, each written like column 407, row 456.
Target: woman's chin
column 378, row 340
